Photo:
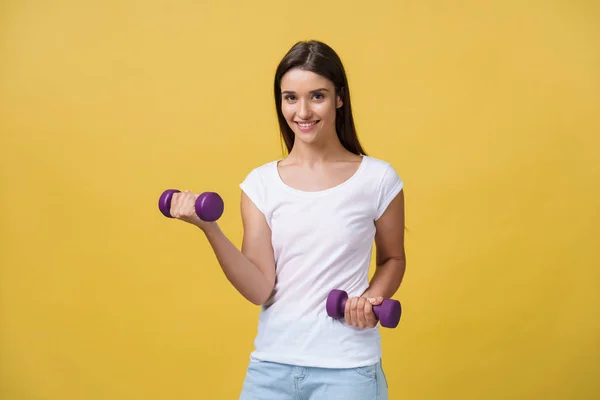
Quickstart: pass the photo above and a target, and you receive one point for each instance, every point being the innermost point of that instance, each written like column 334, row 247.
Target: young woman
column 309, row 221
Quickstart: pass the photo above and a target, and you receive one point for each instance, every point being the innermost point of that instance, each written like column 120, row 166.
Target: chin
column 308, row 136
column 305, row 140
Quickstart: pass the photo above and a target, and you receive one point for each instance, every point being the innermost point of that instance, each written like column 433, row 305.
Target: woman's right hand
column 183, row 207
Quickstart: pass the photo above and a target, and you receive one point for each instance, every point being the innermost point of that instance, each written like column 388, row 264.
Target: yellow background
column 487, row 109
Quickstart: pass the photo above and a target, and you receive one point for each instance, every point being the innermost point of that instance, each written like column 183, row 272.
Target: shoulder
column 257, row 181
column 268, row 166
column 381, row 168
column 261, row 172
column 376, row 162
column 386, row 181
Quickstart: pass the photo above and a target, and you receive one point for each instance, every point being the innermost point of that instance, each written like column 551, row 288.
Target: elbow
column 400, row 265
column 259, row 299
column 262, row 296
column 394, row 269
column 396, row 263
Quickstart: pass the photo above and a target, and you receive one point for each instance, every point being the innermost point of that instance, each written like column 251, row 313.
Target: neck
column 315, row 153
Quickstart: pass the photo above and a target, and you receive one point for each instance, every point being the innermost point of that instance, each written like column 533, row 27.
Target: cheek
column 326, row 111
column 287, row 111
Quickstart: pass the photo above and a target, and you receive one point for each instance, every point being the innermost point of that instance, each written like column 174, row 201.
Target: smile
column 306, row 126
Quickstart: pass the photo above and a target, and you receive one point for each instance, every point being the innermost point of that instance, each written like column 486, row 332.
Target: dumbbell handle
column 209, row 206
column 388, row 312
column 376, row 309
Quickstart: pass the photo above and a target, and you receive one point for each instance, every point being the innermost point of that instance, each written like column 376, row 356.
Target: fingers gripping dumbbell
column 209, row 205
column 388, row 313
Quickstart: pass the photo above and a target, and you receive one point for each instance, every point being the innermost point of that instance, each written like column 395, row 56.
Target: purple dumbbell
column 209, row 205
column 388, row 313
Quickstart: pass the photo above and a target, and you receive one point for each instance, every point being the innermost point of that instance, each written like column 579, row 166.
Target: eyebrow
column 311, row 92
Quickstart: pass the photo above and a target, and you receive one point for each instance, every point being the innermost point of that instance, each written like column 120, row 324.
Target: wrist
column 370, row 294
column 209, row 228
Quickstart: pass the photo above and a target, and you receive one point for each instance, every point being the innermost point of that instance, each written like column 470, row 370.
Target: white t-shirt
column 322, row 241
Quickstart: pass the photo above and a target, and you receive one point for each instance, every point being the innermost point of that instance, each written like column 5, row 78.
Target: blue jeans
column 272, row 381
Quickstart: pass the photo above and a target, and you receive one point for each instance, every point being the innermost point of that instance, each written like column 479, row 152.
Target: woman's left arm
column 390, row 266
column 390, row 254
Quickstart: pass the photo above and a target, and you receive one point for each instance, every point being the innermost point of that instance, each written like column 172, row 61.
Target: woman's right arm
column 252, row 270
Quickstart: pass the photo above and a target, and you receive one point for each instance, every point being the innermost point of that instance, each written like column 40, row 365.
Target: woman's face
column 308, row 103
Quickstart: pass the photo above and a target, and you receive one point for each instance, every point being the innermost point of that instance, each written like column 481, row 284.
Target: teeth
column 306, row 125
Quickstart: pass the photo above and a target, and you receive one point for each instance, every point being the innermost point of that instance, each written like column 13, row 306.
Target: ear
column 338, row 99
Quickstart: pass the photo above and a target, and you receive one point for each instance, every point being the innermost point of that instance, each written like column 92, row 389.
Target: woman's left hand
column 359, row 312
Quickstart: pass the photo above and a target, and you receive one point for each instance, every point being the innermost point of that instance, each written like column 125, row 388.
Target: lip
column 306, row 128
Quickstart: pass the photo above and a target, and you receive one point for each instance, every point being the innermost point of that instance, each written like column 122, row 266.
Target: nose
column 304, row 112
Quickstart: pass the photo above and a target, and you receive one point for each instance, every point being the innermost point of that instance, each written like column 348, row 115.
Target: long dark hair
column 321, row 59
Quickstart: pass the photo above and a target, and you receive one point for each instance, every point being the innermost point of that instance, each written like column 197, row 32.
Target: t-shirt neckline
column 339, row 186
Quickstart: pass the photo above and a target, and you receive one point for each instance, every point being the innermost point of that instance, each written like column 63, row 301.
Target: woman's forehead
column 302, row 80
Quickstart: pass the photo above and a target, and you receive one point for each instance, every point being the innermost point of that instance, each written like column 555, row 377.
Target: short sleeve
column 253, row 186
column 391, row 184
